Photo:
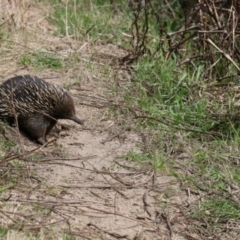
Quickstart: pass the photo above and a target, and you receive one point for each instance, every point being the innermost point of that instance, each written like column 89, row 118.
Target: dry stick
column 146, row 181
column 146, row 205
column 177, row 45
column 64, row 159
column 168, row 224
column 61, row 202
column 65, row 216
column 124, row 166
column 79, row 234
column 216, row 17
column 32, row 227
column 139, row 39
column 201, row 23
column 119, row 214
column 101, row 187
column 154, row 177
column 214, row 64
column 83, row 46
column 89, row 61
column 119, row 180
column 12, row 106
column 95, row 106
column 66, row 19
column 177, row 128
column 184, row 30
column 213, row 31
column 86, row 169
column 230, row 23
column 114, row 204
column 171, row 10
column 234, row 21
column 114, row 136
column 113, row 187
column 130, row 184
column 16, row 121
column 11, row 157
column 116, row 235
column 70, row 165
column 7, row 20
column 5, row 214
column 224, row 54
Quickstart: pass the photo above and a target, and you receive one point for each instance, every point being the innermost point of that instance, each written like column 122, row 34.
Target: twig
column 114, row 136
column 227, row 56
column 116, row 235
column 146, row 205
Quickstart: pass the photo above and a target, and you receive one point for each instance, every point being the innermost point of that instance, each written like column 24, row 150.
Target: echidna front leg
column 35, row 127
column 51, row 124
column 41, row 140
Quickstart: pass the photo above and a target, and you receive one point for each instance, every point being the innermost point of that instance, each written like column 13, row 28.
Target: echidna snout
column 66, row 109
column 76, row 119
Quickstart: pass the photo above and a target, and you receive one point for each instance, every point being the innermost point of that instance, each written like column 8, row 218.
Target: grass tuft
column 42, row 60
column 218, row 210
column 156, row 160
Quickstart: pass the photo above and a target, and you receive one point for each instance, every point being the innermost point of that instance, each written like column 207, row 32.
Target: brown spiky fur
column 35, row 104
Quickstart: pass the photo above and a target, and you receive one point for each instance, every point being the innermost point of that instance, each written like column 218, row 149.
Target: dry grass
column 13, row 11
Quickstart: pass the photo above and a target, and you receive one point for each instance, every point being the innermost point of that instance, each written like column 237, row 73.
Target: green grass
column 41, row 60
column 73, row 83
column 5, row 144
column 156, row 160
column 168, row 97
column 3, row 232
column 4, row 35
column 218, row 210
column 97, row 20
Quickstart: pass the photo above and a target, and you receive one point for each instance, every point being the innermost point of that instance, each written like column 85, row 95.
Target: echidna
column 36, row 105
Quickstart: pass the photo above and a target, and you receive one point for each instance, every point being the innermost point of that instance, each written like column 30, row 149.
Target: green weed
column 4, row 35
column 218, row 210
column 71, row 84
column 3, row 232
column 42, row 60
column 68, row 237
column 156, row 160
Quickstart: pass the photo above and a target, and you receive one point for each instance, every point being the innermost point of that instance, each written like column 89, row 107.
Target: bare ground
column 78, row 185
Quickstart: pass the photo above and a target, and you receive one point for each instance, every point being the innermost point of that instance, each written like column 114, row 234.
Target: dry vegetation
column 158, row 157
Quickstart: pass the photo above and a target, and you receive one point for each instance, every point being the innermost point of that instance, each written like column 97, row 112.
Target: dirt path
column 85, row 190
